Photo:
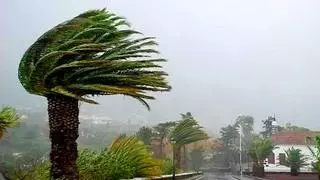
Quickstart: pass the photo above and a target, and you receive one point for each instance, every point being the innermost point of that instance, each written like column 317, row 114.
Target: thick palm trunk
column 178, row 157
column 64, row 123
column 161, row 149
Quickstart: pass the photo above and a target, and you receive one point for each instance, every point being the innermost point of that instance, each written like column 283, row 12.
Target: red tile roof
column 292, row 137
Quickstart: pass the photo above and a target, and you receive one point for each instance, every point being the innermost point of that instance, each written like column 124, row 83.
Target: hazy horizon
column 225, row 58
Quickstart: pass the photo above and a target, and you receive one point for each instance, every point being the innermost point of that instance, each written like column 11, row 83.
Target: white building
column 288, row 139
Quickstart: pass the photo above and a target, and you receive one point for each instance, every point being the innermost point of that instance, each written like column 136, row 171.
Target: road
column 223, row 176
column 218, row 176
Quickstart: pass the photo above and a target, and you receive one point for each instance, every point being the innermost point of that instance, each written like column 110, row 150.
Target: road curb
column 251, row 177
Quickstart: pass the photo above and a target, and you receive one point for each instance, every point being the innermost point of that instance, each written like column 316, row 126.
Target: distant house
column 286, row 139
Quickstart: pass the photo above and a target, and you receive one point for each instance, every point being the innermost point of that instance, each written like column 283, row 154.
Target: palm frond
column 8, row 119
column 187, row 131
column 95, row 49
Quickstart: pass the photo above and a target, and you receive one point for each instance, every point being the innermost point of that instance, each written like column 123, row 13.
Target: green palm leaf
column 90, row 55
column 8, row 119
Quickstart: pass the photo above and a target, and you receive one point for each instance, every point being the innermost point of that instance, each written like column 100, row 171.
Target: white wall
column 304, row 150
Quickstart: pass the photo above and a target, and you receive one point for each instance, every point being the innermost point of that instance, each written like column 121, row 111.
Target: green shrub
column 167, row 167
column 126, row 158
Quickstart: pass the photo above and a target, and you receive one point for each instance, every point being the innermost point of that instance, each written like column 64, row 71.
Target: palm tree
column 162, row 131
column 95, row 53
column 8, row 119
column 295, row 160
column 259, row 150
column 185, row 132
column 316, row 155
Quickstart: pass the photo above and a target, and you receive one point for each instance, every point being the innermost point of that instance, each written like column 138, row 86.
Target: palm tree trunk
column 178, row 156
column 64, row 124
column 184, row 160
column 161, row 148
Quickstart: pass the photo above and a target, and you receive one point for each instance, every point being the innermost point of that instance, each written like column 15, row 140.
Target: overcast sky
column 226, row 57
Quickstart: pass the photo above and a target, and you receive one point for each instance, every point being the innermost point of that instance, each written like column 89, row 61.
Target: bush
column 126, row 158
column 167, row 167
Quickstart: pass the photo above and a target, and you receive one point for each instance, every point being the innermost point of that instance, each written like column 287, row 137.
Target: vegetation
column 162, row 131
column 8, row 119
column 295, row 160
column 260, row 149
column 145, row 134
column 316, row 154
column 92, row 54
column 168, row 167
column 127, row 157
column 290, row 127
column 185, row 132
column 267, row 126
column 230, row 137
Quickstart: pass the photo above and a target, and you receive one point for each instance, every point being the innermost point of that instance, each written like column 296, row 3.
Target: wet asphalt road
column 218, row 176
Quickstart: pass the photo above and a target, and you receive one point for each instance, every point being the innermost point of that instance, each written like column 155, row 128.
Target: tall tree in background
column 267, row 126
column 246, row 123
column 8, row 119
column 92, row 54
column 229, row 136
column 162, row 131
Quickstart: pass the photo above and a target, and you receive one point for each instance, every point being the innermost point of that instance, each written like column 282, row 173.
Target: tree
column 246, row 123
column 295, row 160
column 259, row 150
column 8, row 119
column 229, row 136
column 267, row 126
column 95, row 53
column 162, row 131
column 145, row 134
column 186, row 132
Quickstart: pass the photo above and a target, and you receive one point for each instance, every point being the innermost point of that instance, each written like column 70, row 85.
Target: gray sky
column 226, row 57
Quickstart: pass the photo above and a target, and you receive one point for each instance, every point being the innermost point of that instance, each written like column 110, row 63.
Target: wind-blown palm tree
column 186, row 132
column 8, row 119
column 92, row 54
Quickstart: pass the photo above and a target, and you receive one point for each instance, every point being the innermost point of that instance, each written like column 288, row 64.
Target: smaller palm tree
column 259, row 150
column 185, row 132
column 8, row 119
column 295, row 160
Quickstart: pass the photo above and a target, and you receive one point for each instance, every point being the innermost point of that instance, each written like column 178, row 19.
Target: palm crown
column 94, row 53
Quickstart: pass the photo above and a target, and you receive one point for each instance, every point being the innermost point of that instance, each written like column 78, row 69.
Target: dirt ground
column 288, row 177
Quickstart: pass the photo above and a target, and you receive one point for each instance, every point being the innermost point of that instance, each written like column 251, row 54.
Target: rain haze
column 226, row 57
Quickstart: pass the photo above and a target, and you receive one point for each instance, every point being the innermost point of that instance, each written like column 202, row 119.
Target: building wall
column 304, row 150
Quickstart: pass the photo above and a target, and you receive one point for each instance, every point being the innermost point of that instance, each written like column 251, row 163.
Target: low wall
column 177, row 177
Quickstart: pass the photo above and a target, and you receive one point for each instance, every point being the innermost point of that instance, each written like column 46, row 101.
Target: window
column 282, row 158
column 309, row 140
